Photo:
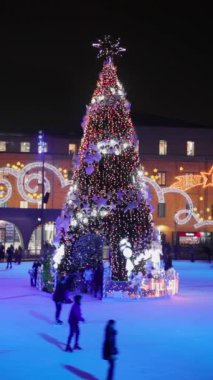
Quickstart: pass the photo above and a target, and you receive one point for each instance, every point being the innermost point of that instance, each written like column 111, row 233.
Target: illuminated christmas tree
column 107, row 195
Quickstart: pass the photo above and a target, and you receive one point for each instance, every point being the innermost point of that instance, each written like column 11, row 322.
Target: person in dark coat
column 74, row 318
column 59, row 296
column 2, row 252
column 10, row 252
column 35, row 266
column 109, row 347
column 20, row 252
column 98, row 280
column 16, row 256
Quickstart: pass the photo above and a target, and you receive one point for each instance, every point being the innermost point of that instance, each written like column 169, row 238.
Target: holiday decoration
column 188, row 181
column 107, row 184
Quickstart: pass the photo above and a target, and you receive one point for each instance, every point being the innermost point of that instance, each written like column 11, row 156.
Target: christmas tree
column 107, row 195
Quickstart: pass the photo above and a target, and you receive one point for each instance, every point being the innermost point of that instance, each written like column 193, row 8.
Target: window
column 2, row 146
column 190, row 148
column 163, row 147
column 23, row 204
column 161, row 178
column 161, row 210
column 25, row 147
column 72, row 148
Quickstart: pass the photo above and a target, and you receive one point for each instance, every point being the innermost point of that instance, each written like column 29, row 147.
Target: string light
column 109, row 193
column 24, row 178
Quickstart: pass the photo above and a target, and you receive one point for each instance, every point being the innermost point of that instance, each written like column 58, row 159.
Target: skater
column 88, row 278
column 35, row 266
column 98, row 280
column 16, row 256
column 9, row 252
column 2, row 252
column 109, row 347
column 20, row 252
column 59, row 296
column 74, row 318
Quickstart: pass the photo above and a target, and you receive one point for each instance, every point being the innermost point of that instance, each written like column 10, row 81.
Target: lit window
column 190, row 148
column 72, row 148
column 163, row 147
column 25, row 147
column 2, row 146
column 161, row 178
column 23, row 204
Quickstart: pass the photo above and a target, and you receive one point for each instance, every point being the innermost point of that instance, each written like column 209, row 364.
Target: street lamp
column 41, row 151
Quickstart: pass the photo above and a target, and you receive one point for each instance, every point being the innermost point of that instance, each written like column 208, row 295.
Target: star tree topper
column 107, row 48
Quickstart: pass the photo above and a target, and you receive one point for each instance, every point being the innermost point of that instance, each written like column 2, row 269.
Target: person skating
column 59, row 296
column 35, row 267
column 74, row 318
column 109, row 347
column 10, row 252
column 98, row 280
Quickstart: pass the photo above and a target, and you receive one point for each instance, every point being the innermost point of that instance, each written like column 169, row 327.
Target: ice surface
column 158, row 339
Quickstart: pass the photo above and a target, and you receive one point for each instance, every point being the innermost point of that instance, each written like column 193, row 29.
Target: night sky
column 48, row 68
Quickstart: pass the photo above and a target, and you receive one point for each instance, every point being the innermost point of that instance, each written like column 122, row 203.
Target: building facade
column 25, row 219
column 177, row 162
column 179, row 159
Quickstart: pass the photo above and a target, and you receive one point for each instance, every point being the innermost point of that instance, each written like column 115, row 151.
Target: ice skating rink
column 158, row 339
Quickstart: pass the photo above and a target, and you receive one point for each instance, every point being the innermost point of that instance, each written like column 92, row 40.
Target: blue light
column 41, row 143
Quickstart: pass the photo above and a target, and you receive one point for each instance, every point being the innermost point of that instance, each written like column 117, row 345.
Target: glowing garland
column 8, row 186
column 189, row 212
column 24, row 178
column 188, row 181
column 160, row 192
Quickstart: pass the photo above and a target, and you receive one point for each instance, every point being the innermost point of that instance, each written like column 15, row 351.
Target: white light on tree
column 94, row 213
column 85, row 220
column 58, row 256
column 74, row 223
column 127, row 252
column 123, row 241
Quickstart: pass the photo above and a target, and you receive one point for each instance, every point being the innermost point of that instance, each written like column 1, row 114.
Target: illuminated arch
column 23, row 185
column 189, row 212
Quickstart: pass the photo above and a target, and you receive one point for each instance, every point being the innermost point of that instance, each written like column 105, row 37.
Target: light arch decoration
column 189, row 212
column 24, row 178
